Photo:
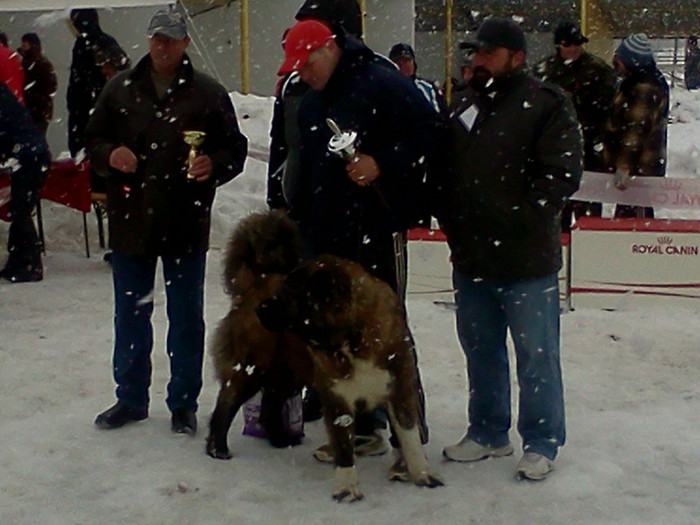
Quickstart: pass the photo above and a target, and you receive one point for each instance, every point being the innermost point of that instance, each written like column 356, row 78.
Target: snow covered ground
column 632, row 379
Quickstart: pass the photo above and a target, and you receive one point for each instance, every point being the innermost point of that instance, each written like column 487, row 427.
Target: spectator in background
column 405, row 59
column 87, row 78
column 23, row 149
column 11, row 71
column 159, row 209
column 636, row 130
column 39, row 81
column 692, row 63
column 589, row 83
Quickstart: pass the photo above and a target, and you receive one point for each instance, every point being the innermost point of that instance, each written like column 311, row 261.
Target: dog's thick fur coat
column 361, row 350
column 262, row 250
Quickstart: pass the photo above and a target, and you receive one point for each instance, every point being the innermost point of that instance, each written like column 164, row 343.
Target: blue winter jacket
column 395, row 125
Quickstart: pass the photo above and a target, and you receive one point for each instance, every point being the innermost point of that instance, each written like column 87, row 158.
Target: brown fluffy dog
column 361, row 351
column 247, row 357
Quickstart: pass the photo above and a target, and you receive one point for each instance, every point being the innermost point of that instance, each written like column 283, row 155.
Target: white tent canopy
column 46, row 5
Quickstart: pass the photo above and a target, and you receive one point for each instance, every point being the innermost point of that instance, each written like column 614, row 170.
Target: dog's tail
column 262, row 243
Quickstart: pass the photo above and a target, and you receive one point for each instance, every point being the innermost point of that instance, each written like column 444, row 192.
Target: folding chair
column 68, row 183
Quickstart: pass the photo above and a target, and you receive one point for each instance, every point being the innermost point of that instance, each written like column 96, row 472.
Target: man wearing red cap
column 358, row 208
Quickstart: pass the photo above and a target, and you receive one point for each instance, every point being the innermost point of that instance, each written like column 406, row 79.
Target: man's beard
column 481, row 79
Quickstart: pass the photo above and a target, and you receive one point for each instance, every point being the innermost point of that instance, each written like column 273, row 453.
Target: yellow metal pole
column 244, row 43
column 448, row 50
column 584, row 17
column 363, row 10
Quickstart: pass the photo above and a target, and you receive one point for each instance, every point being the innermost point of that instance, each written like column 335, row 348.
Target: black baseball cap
column 401, row 50
column 497, row 31
column 568, row 33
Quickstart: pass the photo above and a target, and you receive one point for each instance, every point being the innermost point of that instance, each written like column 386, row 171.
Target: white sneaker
column 468, row 450
column 534, row 466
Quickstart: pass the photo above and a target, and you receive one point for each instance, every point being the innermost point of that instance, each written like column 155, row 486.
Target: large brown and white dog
column 361, row 350
column 262, row 250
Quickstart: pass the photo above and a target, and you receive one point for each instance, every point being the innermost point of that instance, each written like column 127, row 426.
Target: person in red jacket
column 11, row 71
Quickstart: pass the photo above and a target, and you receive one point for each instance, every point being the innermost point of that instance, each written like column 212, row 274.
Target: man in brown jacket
column 159, row 207
column 39, row 81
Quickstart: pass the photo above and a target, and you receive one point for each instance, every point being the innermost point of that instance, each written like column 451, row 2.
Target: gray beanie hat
column 635, row 51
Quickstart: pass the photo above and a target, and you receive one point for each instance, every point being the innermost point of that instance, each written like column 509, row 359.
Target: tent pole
column 363, row 12
column 448, row 50
column 244, row 42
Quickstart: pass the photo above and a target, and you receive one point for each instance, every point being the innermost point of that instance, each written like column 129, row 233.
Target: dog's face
column 314, row 302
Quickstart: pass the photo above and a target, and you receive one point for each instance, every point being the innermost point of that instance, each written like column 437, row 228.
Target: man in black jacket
column 88, row 78
column 283, row 167
column 159, row 206
column 357, row 208
column 515, row 156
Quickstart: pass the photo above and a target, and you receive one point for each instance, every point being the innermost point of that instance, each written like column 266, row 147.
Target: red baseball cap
column 300, row 40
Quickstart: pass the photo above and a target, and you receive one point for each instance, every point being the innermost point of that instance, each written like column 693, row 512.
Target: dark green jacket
column 589, row 83
column 507, row 177
column 157, row 210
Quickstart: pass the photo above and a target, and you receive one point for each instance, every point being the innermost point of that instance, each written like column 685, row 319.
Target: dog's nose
column 270, row 314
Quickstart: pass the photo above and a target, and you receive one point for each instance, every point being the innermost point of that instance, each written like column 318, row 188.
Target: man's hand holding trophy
column 361, row 169
column 199, row 166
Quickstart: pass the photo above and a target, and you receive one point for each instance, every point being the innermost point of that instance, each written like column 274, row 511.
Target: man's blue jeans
column 134, row 278
column 530, row 309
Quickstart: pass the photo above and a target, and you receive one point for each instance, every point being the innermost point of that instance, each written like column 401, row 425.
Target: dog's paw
column 348, row 495
column 217, row 452
column 428, row 479
column 347, row 488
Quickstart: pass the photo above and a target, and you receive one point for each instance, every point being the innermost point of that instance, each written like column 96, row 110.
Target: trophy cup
column 342, row 143
column 194, row 139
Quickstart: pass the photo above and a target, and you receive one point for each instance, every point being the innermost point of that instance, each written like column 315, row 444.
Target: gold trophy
column 194, row 139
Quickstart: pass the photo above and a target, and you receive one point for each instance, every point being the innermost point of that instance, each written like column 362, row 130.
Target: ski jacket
column 589, row 84
column 157, row 210
column 513, row 156
column 395, row 126
column 637, row 127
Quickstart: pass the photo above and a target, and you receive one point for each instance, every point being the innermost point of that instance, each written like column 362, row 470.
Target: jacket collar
column 184, row 73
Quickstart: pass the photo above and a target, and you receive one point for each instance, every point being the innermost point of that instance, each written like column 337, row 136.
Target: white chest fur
column 367, row 382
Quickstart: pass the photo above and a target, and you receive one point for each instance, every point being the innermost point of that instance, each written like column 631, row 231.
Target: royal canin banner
column 662, row 192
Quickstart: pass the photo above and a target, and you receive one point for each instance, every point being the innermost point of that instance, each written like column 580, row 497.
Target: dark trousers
column 23, row 243
column 134, row 278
